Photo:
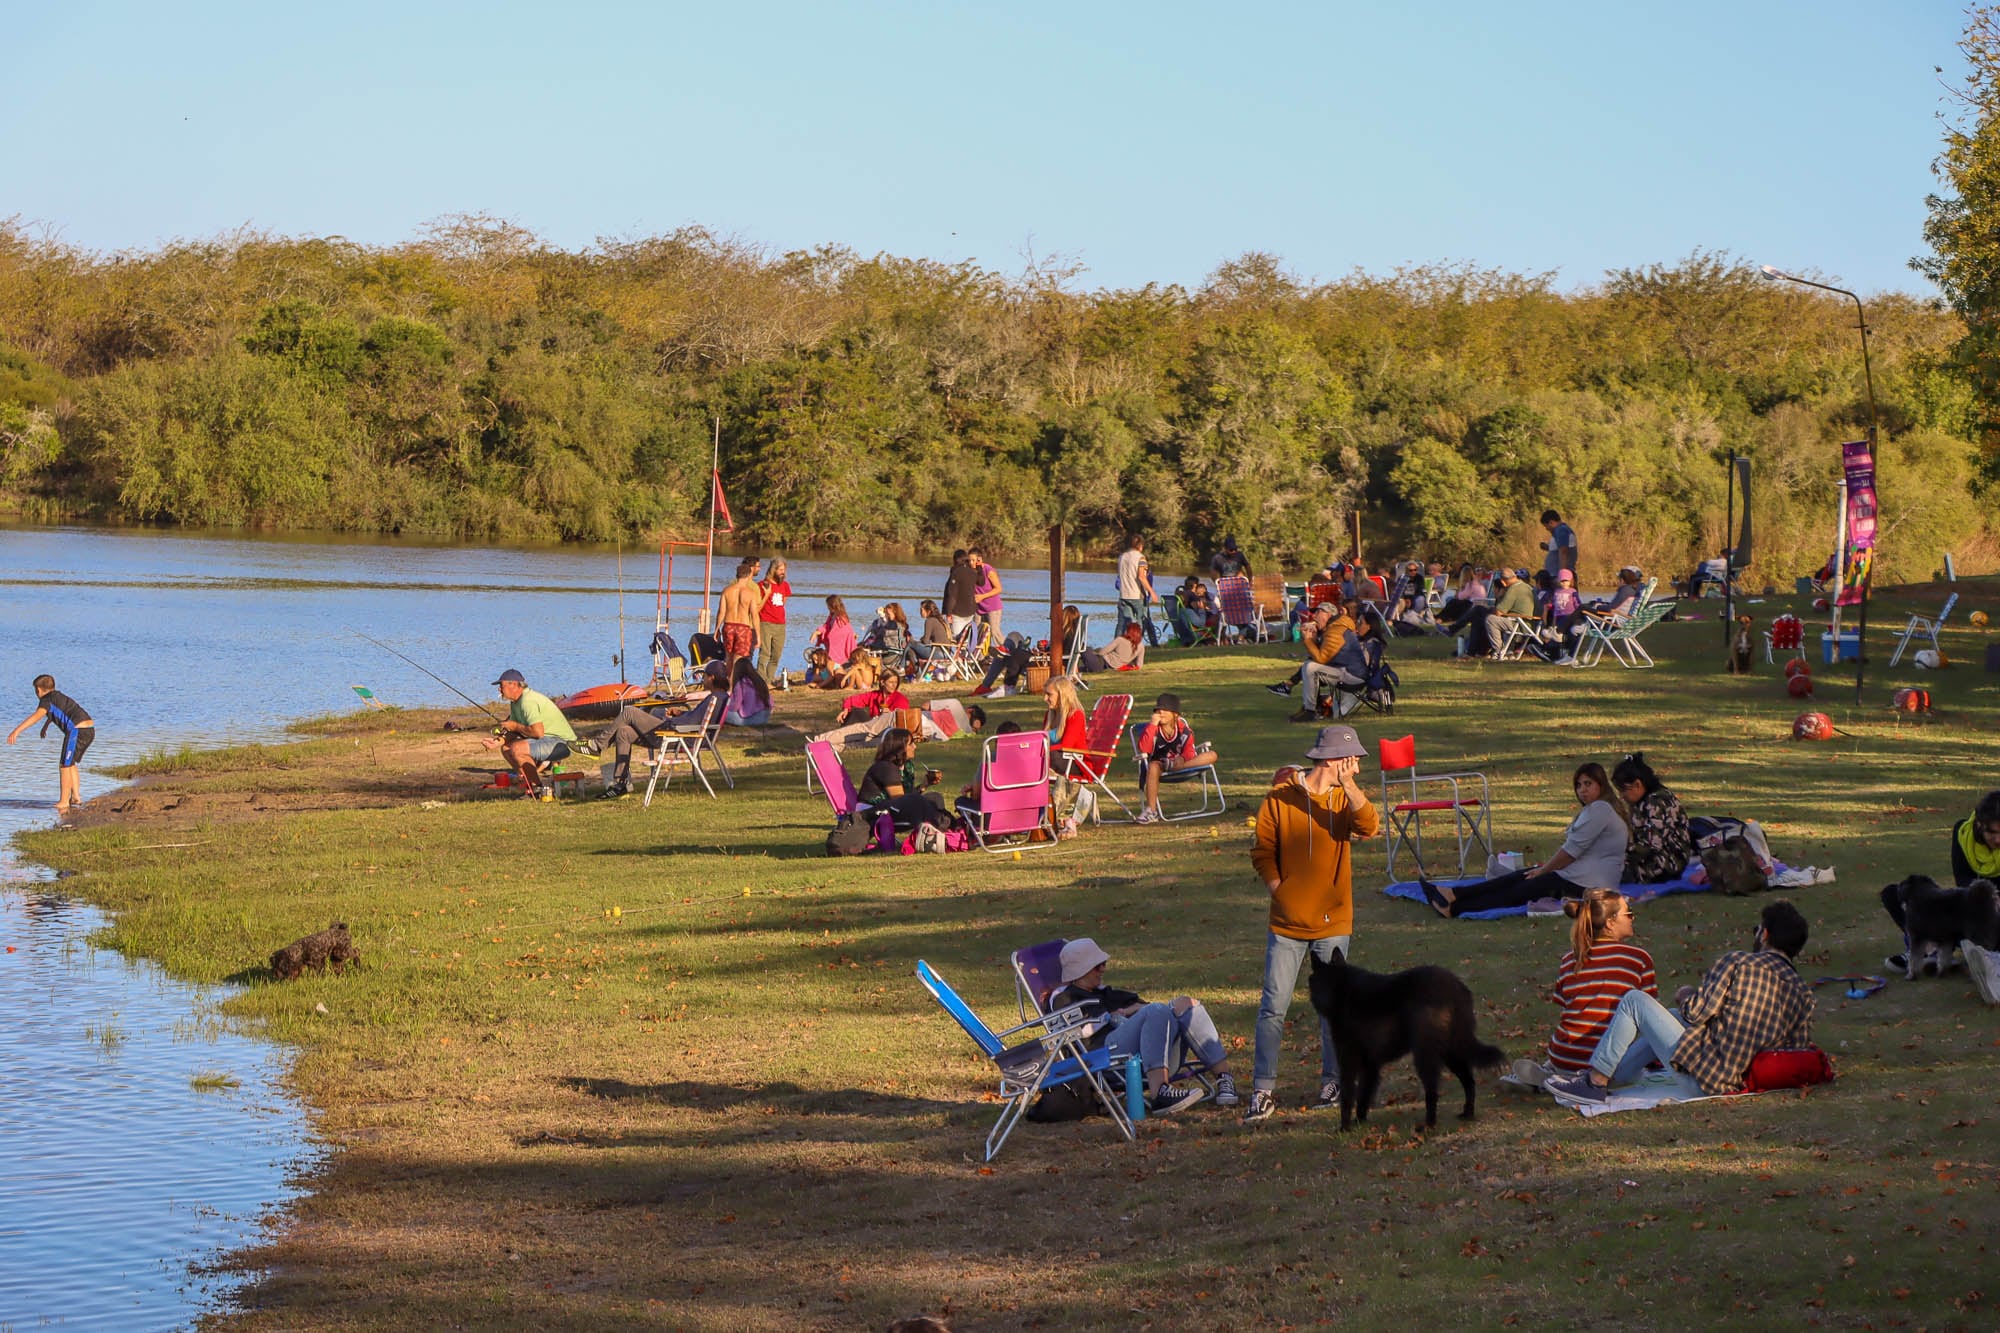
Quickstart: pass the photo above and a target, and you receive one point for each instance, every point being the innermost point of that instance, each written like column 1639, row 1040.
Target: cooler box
column 1802, row 587
column 1844, row 647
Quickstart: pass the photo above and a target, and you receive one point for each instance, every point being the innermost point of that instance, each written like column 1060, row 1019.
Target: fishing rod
column 426, row 670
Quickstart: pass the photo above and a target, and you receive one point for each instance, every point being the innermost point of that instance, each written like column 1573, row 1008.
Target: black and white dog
column 1934, row 919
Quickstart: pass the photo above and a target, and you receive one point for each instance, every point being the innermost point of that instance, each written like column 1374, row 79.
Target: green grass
column 729, row 1105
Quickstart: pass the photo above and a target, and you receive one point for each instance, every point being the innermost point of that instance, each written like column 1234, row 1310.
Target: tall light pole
column 1774, row 274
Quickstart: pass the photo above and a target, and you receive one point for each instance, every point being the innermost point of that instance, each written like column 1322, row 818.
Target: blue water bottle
column 1135, row 1089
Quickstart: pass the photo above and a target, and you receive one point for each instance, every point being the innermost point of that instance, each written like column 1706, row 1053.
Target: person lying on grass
column 1750, row 1001
column 1166, row 745
column 1592, row 856
column 1601, row 965
column 1155, row 1032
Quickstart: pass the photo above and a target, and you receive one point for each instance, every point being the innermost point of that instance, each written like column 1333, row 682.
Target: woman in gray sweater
column 1592, row 856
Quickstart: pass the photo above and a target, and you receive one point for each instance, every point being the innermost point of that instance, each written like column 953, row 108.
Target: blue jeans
column 1132, row 611
column 1641, row 1030
column 1283, row 957
column 1148, row 1034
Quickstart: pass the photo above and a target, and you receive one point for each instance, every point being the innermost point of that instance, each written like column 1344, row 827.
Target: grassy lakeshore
column 610, row 1067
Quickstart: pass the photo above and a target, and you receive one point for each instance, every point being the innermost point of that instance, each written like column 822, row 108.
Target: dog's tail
column 1487, row 1057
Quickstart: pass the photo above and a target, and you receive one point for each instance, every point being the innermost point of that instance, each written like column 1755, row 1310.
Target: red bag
column 1801, row 1068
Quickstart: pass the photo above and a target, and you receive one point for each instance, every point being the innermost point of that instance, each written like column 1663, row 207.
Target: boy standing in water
column 77, row 732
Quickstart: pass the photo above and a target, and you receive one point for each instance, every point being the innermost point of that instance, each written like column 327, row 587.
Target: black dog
column 1934, row 919
column 1424, row 1013
column 330, row 946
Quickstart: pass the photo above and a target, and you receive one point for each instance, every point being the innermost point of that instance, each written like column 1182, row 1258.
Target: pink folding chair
column 1013, row 797
column 824, row 764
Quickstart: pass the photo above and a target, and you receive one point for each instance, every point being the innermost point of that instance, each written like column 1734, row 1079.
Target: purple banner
column 1859, row 464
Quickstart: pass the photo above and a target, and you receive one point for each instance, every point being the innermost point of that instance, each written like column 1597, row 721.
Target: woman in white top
column 1592, row 856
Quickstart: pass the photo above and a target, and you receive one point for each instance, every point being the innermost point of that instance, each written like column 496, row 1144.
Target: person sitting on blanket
column 1975, row 854
column 1661, row 845
column 749, row 696
column 857, row 711
column 895, row 783
column 1592, row 856
column 1513, row 605
column 1166, row 745
column 1125, row 652
column 1149, row 1031
column 1749, row 1002
column 1601, row 965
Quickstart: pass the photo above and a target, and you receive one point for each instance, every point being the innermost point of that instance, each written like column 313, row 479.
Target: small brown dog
column 1742, row 648
column 332, row 945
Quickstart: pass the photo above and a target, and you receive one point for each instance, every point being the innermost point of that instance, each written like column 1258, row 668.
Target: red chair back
column 1397, row 754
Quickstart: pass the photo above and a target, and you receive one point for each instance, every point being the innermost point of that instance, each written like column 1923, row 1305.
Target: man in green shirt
column 535, row 733
column 1486, row 629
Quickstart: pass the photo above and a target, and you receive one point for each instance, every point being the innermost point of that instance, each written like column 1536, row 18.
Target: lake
column 120, row 1173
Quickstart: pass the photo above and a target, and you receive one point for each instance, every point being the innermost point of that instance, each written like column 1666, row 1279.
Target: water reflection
column 120, row 1175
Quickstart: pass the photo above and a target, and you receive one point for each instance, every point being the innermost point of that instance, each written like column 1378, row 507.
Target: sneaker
column 1899, row 961
column 1577, row 1087
column 1984, row 967
column 617, row 791
column 1306, row 715
column 1147, row 817
column 592, row 748
column 1263, row 1105
column 1566, row 659
column 548, row 794
column 531, row 793
column 1533, row 1073
column 1171, row 1099
column 1329, row 1095
column 1283, row 689
column 981, row 691
column 1225, row 1090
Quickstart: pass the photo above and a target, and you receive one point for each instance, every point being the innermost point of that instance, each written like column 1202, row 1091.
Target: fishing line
column 426, row 670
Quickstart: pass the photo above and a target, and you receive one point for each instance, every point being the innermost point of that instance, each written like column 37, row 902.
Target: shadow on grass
column 782, row 1095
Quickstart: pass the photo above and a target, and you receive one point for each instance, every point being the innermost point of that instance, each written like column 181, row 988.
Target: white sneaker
column 1329, row 1094
column 1984, row 967
column 1530, row 1072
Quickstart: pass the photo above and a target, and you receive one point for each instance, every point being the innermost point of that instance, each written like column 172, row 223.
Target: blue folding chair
column 1204, row 774
column 1059, row 1054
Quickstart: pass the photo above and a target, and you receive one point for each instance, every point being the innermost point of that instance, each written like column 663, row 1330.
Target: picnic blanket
column 1654, row 1089
column 1638, row 893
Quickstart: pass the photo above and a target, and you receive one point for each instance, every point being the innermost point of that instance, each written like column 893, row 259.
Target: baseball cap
column 511, row 677
column 1336, row 742
column 1078, row 957
column 1565, row 577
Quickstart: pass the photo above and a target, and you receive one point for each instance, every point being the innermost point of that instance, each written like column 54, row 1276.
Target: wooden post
column 1357, row 536
column 1055, row 600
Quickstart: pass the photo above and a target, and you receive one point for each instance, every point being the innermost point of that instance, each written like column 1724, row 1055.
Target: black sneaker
column 1899, row 961
column 1283, row 689
column 592, row 748
column 1577, row 1086
column 1263, row 1105
column 1171, row 1099
column 617, row 791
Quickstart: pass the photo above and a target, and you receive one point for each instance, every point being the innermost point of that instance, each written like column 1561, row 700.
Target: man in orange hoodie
column 1304, row 831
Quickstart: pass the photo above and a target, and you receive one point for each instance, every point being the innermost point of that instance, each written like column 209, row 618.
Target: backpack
column 1065, row 1101
column 850, row 837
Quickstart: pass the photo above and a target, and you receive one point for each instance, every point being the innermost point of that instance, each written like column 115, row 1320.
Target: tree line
column 477, row 382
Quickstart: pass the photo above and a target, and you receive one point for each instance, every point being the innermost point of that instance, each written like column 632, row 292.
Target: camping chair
column 1510, row 640
column 1274, row 605
column 1059, row 1054
column 957, row 660
column 1377, row 690
column 1918, row 625
column 1180, row 617
column 1089, row 765
column 1240, row 615
column 1204, row 774
column 1320, row 592
column 368, row 697
column 1073, row 665
column 1013, row 795
column 668, row 748
column 823, row 763
column 1038, row 976
column 1621, row 636
column 1472, row 816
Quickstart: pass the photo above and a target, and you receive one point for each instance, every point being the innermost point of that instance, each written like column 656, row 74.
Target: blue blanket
column 1638, row 893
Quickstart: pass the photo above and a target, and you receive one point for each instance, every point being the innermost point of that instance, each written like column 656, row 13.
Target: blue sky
column 1147, row 142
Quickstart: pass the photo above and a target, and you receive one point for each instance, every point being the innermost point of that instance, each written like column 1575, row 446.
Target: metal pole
column 708, row 564
column 1056, row 573
column 1728, row 587
column 1874, row 445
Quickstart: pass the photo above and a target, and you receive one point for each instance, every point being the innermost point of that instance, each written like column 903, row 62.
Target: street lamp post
column 1772, row 273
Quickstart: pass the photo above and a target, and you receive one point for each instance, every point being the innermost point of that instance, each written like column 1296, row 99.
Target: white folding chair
column 1928, row 629
column 675, row 746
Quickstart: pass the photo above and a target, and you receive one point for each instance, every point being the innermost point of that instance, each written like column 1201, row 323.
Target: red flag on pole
column 722, row 506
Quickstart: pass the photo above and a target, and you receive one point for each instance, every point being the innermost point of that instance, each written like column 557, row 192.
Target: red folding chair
column 1472, row 816
column 1102, row 732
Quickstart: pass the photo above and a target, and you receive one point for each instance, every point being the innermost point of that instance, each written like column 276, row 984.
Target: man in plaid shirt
column 1748, row 1002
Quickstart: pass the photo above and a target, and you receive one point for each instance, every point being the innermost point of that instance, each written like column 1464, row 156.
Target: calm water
column 115, row 1173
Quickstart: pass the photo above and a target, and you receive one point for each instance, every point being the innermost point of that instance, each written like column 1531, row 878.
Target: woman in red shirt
column 1601, row 965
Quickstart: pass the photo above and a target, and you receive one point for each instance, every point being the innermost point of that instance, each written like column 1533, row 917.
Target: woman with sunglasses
column 1661, row 845
column 1592, row 856
column 1601, row 965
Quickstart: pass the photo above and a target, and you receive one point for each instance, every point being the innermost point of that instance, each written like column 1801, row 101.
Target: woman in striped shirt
column 1601, row 965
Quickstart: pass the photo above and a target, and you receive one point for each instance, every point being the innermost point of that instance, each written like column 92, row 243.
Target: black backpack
column 850, row 837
